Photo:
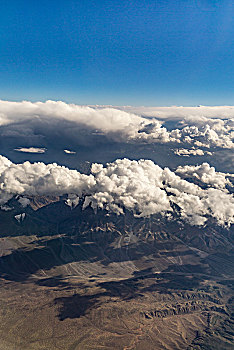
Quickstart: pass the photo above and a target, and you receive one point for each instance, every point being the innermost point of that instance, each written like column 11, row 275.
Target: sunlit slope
column 80, row 280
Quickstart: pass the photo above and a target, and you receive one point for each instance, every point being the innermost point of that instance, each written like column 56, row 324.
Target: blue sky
column 118, row 52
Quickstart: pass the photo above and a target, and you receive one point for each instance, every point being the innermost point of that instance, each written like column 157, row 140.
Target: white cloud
column 4, row 164
column 186, row 152
column 181, row 112
column 69, row 152
column 30, row 150
column 140, row 186
column 196, row 126
column 206, row 174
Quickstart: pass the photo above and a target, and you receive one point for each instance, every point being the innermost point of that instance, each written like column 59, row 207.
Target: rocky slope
column 75, row 279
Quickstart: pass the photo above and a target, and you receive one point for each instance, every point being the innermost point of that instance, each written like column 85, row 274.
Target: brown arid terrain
column 76, row 280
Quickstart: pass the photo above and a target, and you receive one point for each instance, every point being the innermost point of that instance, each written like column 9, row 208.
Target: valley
column 73, row 279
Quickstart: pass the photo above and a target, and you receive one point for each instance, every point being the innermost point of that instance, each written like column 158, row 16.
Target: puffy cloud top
column 140, row 186
column 191, row 152
column 206, row 174
column 198, row 126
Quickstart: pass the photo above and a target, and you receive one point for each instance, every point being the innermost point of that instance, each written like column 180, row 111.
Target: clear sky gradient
column 174, row 52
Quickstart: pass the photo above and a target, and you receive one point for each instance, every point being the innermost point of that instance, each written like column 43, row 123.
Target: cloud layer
column 195, row 126
column 191, row 152
column 140, row 186
column 206, row 174
column 30, row 150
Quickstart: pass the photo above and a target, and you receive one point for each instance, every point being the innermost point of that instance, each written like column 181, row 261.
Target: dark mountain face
column 115, row 282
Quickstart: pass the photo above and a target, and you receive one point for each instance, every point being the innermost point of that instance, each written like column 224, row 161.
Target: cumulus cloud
column 107, row 120
column 186, row 152
column 196, row 126
column 206, row 174
column 67, row 151
column 30, row 150
column 40, row 179
column 140, row 186
column 203, row 126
